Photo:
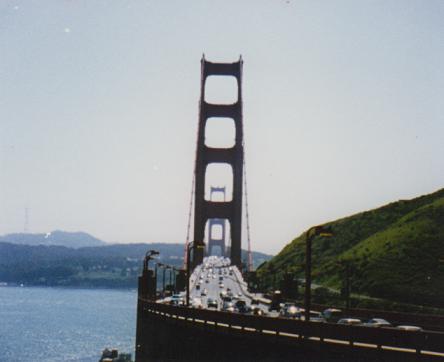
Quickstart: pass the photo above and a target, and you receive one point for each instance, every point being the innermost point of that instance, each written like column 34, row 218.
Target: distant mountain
column 57, row 237
column 395, row 252
column 115, row 265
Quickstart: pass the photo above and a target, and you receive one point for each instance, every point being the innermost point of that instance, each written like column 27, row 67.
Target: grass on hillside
column 395, row 252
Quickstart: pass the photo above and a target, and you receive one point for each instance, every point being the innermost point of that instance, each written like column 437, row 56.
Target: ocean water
column 57, row 324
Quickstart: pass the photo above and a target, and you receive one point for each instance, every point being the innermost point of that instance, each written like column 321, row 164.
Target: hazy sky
column 343, row 110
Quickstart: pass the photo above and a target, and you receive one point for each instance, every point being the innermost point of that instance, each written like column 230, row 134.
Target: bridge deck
column 292, row 335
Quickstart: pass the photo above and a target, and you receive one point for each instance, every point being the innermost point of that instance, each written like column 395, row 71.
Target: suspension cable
column 247, row 214
column 190, row 210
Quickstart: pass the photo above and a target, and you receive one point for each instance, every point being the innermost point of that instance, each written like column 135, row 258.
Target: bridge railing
column 426, row 321
column 421, row 342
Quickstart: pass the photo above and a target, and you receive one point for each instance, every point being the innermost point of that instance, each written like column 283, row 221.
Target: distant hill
column 115, row 265
column 57, row 237
column 395, row 252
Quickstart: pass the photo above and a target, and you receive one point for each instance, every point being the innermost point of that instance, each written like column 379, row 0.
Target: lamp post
column 155, row 276
column 174, row 279
column 163, row 279
column 171, row 276
column 346, row 284
column 311, row 233
column 146, row 281
column 161, row 265
column 148, row 256
column 191, row 246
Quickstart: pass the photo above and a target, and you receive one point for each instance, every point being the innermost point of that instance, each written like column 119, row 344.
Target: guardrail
column 422, row 343
column 426, row 321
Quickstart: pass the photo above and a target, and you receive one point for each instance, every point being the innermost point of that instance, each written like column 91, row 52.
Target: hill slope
column 57, row 237
column 395, row 252
column 116, row 265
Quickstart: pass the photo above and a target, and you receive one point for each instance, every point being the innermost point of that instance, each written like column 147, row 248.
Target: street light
column 163, row 279
column 148, row 256
column 156, row 267
column 315, row 231
column 161, row 265
column 146, row 281
column 346, row 289
column 174, row 279
column 191, row 246
column 171, row 277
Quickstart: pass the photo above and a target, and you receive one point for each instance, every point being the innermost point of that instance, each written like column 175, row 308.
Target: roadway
column 205, row 284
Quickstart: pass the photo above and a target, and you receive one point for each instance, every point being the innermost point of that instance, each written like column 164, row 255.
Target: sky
column 343, row 111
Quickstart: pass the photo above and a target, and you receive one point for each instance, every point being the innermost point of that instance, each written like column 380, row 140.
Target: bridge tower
column 213, row 223
column 233, row 156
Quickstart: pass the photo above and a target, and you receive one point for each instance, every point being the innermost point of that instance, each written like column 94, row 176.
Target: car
column 350, row 321
column 332, row 315
column 212, row 303
column 377, row 322
column 207, row 281
column 410, row 328
column 221, row 285
column 316, row 317
column 289, row 310
column 257, row 311
column 239, row 295
column 223, row 294
column 241, row 306
column 204, row 292
column 177, row 300
column 197, row 286
column 276, row 301
column 228, row 307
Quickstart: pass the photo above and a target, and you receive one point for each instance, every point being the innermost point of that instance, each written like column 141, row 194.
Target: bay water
column 58, row 324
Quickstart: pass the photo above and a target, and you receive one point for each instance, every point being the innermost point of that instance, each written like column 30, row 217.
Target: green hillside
column 395, row 252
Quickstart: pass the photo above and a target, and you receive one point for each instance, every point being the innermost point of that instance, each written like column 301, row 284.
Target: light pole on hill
column 311, row 233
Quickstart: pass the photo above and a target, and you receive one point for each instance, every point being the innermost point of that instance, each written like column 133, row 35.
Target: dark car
column 257, row 311
column 276, row 301
column 241, row 306
column 212, row 303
